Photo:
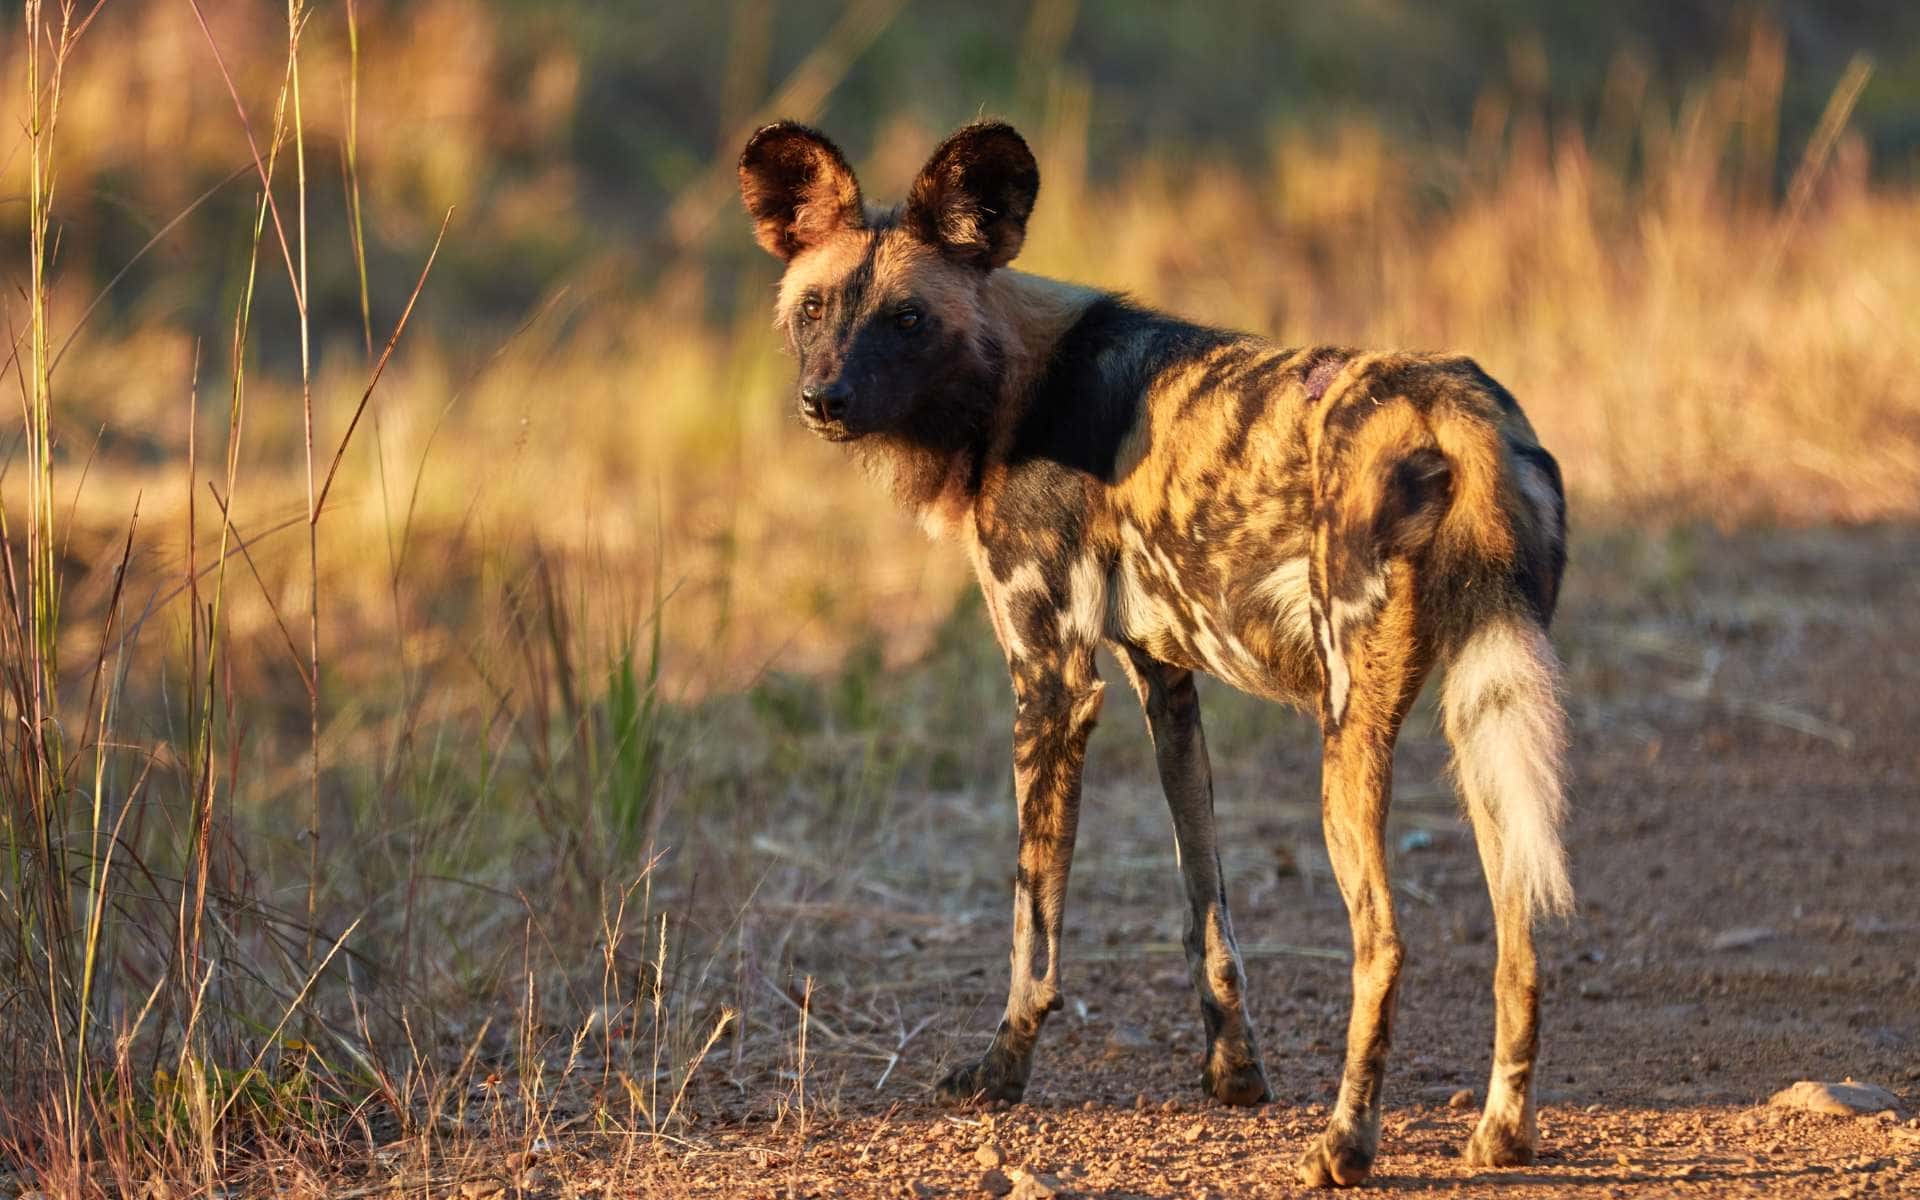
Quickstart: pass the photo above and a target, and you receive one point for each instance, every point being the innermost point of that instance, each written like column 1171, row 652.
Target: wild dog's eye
column 812, row 308
column 907, row 318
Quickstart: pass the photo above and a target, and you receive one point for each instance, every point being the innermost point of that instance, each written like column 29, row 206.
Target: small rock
column 1742, row 938
column 1461, row 1099
column 480, row 1189
column 917, row 1189
column 1033, row 1185
column 1194, row 1132
column 1172, row 1105
column 1845, row 1099
column 988, row 1155
column 996, row 1183
column 1622, row 1159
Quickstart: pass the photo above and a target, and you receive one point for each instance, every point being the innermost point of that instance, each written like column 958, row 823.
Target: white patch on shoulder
column 1082, row 619
column 1026, row 578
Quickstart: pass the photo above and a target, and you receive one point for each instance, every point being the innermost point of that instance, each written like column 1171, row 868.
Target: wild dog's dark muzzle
column 826, row 401
column 824, row 405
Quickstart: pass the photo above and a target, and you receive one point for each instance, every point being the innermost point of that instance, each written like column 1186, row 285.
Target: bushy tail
column 1503, row 716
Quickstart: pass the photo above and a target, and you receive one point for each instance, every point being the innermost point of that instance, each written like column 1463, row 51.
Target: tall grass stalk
column 40, row 858
column 295, row 19
column 350, row 174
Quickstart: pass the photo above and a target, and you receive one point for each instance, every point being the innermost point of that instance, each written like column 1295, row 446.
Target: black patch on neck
column 1086, row 401
column 942, row 436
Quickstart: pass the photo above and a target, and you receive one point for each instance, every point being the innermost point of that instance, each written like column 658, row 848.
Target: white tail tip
column 1502, row 706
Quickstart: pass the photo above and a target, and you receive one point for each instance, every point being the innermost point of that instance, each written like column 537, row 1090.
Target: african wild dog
column 1316, row 526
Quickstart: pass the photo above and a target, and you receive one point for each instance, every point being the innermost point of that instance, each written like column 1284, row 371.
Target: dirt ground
column 1747, row 816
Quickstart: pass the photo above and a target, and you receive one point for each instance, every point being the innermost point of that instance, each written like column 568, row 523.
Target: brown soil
column 1748, row 788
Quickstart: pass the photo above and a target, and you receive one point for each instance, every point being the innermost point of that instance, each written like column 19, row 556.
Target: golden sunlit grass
column 1690, row 347
column 583, row 594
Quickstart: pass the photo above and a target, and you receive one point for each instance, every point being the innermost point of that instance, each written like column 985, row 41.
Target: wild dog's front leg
column 1057, row 707
column 1233, row 1073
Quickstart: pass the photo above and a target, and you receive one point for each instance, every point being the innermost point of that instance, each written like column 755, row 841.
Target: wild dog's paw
column 1234, row 1077
column 1336, row 1159
column 1500, row 1144
column 994, row 1077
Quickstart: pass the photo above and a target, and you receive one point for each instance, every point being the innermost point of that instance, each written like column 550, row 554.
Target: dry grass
column 492, row 797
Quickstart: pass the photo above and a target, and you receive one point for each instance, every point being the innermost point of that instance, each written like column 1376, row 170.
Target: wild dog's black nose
column 826, row 401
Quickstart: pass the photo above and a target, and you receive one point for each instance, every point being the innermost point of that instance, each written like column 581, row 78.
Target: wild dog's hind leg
column 1508, row 1131
column 1373, row 675
column 1233, row 1073
column 1058, row 699
column 1504, row 719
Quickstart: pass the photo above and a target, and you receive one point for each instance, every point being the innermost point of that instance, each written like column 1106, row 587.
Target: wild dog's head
column 883, row 309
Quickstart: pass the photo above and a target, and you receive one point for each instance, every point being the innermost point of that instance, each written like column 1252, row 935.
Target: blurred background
column 582, row 588
column 1631, row 213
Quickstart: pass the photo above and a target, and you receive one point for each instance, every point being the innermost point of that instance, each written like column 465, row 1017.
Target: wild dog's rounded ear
column 973, row 197
column 798, row 188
